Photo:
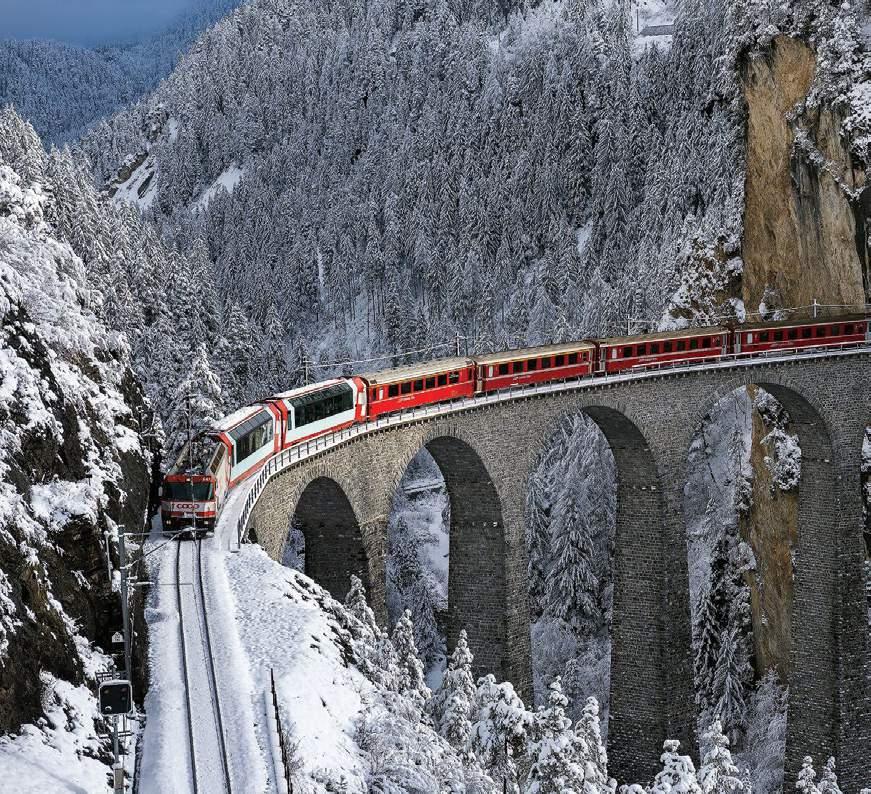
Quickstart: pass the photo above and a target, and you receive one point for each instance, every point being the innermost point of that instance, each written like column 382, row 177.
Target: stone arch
column 333, row 540
column 650, row 694
column 813, row 667
column 477, row 596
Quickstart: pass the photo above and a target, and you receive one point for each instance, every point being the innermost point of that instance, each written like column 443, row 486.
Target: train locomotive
column 196, row 488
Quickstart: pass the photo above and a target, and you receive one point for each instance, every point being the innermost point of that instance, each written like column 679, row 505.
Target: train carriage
column 621, row 353
column 194, row 490
column 791, row 334
column 310, row 411
column 251, row 435
column 419, row 384
column 529, row 365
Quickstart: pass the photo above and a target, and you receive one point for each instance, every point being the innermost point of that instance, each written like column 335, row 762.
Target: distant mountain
column 62, row 89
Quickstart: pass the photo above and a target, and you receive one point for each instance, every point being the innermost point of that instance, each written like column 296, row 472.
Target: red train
column 195, row 489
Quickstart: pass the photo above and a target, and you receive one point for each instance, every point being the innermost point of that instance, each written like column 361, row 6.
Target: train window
column 373, row 395
column 545, row 362
column 848, row 328
column 393, row 390
column 681, row 345
column 443, row 380
column 642, row 350
column 405, row 388
column 517, row 367
column 558, row 361
column 836, row 330
column 430, row 383
column 706, row 341
column 573, row 358
column 454, row 377
column 613, row 352
column 627, row 352
column 654, row 348
column 503, row 369
column 418, row 385
column 380, row 394
column 821, row 331
column 694, row 344
column 531, row 364
column 778, row 336
column 793, row 333
column 585, row 356
column 764, row 336
column 666, row 347
column 806, row 333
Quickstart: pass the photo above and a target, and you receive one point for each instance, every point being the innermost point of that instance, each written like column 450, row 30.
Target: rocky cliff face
column 73, row 464
column 805, row 212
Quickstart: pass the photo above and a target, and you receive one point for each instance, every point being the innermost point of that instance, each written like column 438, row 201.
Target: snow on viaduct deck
column 340, row 491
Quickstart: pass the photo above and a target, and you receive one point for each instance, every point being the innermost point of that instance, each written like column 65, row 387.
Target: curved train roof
column 300, row 391
column 682, row 333
column 421, row 370
column 533, row 352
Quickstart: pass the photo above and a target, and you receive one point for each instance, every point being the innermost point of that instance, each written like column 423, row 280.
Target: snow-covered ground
column 226, row 181
column 62, row 752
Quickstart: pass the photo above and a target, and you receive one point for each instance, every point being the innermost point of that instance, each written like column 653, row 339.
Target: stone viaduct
column 342, row 498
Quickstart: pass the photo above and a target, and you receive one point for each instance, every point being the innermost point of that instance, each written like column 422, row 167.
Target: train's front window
column 188, row 492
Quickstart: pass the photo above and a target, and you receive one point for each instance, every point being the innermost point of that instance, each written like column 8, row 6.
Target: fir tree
column 718, row 774
column 807, row 777
column 558, row 756
column 677, row 774
column 500, row 734
column 196, row 405
column 410, row 677
column 453, row 706
column 829, row 779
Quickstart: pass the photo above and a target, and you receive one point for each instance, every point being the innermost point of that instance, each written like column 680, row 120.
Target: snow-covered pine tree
column 453, row 706
column 557, row 755
column 411, row 681
column 589, row 729
column 236, row 354
column 806, row 782
column 196, row 404
column 718, row 773
column 829, row 779
column 355, row 603
column 271, row 364
column 730, row 679
column 572, row 584
column 500, row 734
column 678, row 774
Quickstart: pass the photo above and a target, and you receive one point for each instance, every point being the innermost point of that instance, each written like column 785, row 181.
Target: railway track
column 209, row 763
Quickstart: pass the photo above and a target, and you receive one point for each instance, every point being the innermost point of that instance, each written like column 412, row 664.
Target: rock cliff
column 805, row 211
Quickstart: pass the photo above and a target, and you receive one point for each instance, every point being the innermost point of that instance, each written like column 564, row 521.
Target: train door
column 479, row 383
column 868, row 330
column 736, row 336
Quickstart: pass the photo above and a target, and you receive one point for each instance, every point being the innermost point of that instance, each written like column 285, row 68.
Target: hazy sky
column 85, row 21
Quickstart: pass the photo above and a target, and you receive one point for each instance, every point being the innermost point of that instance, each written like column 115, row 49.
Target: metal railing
column 282, row 741
column 288, row 457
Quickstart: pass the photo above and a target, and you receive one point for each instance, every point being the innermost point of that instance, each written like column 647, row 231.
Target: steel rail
column 288, row 457
column 184, row 664
column 213, row 677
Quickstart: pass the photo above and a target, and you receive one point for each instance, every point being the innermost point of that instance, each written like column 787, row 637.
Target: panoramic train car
column 251, row 435
column 637, row 352
column 758, row 337
column 194, row 490
column 311, row 411
column 535, row 365
column 419, row 384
